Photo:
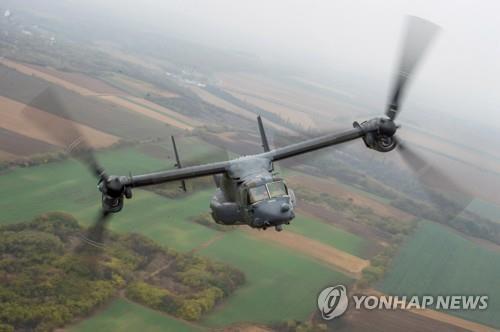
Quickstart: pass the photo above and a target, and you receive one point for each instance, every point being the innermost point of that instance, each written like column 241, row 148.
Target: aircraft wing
column 315, row 144
column 177, row 174
column 222, row 167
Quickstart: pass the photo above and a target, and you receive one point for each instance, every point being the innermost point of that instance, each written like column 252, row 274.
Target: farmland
column 62, row 186
column 328, row 255
column 438, row 261
column 66, row 186
column 485, row 209
column 15, row 115
column 329, row 235
column 122, row 315
column 270, row 269
column 270, row 266
column 90, row 111
column 284, row 271
column 280, row 284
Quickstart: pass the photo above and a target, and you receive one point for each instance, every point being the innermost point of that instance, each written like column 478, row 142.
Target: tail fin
column 178, row 162
column 263, row 137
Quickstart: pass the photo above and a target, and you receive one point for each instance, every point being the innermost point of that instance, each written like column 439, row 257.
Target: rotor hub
column 387, row 127
column 113, row 190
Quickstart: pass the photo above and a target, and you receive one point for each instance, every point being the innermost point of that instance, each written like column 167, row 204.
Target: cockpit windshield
column 257, row 194
column 276, row 189
column 266, row 191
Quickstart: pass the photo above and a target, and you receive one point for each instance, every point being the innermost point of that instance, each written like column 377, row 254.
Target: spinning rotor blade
column 442, row 193
column 68, row 136
column 95, row 234
column 75, row 144
column 419, row 35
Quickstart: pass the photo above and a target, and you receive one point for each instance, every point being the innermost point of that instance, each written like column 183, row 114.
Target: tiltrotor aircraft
column 249, row 192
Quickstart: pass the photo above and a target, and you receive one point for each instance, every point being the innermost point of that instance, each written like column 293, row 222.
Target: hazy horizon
column 353, row 44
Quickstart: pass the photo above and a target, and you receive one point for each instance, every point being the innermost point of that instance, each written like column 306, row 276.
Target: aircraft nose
column 285, row 207
column 274, row 212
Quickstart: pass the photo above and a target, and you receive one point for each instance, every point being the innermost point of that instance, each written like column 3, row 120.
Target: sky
column 460, row 74
column 355, row 40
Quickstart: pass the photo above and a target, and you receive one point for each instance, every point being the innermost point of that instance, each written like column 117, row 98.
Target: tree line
column 48, row 278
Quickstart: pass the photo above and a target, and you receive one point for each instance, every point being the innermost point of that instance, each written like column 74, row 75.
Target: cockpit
column 267, row 191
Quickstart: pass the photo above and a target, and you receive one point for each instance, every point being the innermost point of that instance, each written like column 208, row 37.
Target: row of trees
column 357, row 213
column 44, row 285
column 188, row 288
column 298, row 326
column 450, row 213
column 190, row 307
column 53, row 157
column 432, row 201
column 48, row 277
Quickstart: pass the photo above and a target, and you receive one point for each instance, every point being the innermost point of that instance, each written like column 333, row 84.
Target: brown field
column 219, row 102
column 166, row 111
column 120, row 101
column 444, row 318
column 89, row 110
column 288, row 114
column 13, row 144
column 234, row 142
column 142, row 87
column 338, row 259
column 390, row 320
column 47, row 77
column 476, row 157
column 474, row 179
column 331, row 187
column 452, row 320
column 92, row 84
column 14, row 118
column 51, row 76
column 6, row 156
column 379, row 239
column 88, row 86
column 315, row 104
column 112, row 50
column 246, row 328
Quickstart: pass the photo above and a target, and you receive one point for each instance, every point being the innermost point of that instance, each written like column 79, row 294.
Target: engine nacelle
column 223, row 211
column 113, row 192
column 380, row 142
column 379, row 134
column 112, row 204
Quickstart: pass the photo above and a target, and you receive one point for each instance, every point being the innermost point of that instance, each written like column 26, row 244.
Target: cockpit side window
column 257, row 194
column 277, row 189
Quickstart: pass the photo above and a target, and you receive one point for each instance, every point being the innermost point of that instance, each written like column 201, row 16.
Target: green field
column 438, row 261
column 485, row 209
column 280, row 284
column 67, row 186
column 123, row 315
column 64, row 185
column 328, row 234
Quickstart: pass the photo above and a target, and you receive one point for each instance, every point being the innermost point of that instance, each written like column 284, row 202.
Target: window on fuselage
column 257, row 194
column 277, row 189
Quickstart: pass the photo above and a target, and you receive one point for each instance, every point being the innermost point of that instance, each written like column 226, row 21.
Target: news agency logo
column 333, row 302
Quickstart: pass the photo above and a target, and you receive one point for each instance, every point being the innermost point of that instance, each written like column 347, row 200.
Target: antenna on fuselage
column 263, row 137
column 178, row 162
